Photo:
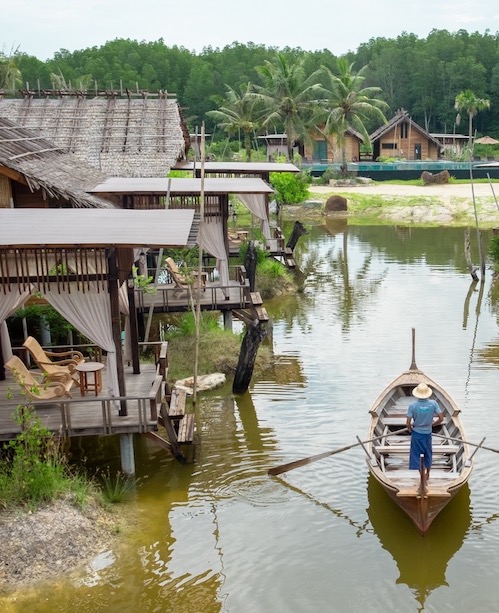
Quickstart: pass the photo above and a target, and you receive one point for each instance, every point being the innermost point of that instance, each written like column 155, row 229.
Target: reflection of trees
column 351, row 292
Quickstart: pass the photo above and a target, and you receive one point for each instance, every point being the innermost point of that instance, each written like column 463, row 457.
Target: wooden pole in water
column 478, row 236
column 197, row 282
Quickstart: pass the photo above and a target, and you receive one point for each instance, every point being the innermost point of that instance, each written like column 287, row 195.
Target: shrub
column 290, row 188
column 33, row 469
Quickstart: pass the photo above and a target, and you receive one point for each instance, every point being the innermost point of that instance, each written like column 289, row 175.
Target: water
column 222, row 536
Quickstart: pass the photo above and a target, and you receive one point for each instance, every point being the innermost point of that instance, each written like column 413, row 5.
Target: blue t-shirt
column 422, row 411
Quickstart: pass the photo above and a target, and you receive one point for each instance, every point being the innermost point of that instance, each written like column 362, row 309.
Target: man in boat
column 420, row 422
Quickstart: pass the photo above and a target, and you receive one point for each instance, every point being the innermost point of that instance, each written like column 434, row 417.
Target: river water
column 220, row 535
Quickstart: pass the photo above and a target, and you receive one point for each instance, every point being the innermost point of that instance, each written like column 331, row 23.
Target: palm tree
column 240, row 113
column 286, row 95
column 467, row 102
column 10, row 75
column 345, row 104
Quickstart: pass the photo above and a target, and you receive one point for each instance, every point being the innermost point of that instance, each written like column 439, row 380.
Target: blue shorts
column 420, row 444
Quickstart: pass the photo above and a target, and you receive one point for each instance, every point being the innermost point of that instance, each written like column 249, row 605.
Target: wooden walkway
column 169, row 299
column 89, row 415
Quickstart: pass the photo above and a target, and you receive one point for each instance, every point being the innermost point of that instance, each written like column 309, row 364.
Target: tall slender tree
column 346, row 104
column 287, row 96
column 468, row 102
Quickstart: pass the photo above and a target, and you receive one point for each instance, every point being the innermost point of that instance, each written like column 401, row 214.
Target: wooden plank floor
column 88, row 415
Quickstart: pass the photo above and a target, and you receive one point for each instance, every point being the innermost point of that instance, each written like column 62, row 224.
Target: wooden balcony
column 90, row 414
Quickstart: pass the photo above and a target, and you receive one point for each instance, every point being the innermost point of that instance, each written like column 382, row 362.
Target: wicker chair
column 44, row 389
column 64, row 361
column 180, row 280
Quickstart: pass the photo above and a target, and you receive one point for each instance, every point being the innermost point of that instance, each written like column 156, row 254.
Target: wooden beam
column 13, row 174
column 116, row 325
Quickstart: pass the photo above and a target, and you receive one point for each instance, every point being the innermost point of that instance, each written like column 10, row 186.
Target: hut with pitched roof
column 403, row 138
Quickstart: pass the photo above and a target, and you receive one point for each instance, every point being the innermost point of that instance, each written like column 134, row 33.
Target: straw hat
column 422, row 391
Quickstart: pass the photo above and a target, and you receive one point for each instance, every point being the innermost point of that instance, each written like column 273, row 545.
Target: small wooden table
column 86, row 368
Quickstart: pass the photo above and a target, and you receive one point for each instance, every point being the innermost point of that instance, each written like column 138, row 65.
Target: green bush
column 290, row 188
column 33, row 469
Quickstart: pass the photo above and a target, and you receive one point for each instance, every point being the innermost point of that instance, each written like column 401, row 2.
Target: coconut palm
column 240, row 113
column 10, row 75
column 345, row 104
column 287, row 96
column 469, row 103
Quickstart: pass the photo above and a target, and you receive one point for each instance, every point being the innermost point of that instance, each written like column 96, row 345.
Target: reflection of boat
column 389, row 457
column 421, row 562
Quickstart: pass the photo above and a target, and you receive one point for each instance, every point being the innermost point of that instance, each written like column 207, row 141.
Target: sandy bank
column 434, row 204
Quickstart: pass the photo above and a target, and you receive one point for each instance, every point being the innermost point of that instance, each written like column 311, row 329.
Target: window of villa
column 389, row 145
column 404, row 130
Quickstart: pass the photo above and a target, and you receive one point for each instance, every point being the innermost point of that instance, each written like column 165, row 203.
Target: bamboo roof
column 128, row 137
column 45, row 166
column 118, row 185
column 241, row 168
column 29, row 228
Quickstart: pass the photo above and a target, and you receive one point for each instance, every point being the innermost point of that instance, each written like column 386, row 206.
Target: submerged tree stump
column 298, row 230
column 253, row 336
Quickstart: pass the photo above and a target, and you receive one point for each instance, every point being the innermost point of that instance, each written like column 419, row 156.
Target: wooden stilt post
column 127, row 454
column 116, row 324
column 134, row 334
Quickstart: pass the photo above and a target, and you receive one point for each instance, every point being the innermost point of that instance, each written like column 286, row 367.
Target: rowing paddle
column 283, row 468
column 459, row 440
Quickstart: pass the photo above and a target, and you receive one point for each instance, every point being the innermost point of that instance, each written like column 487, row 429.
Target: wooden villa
column 80, row 261
column 274, row 240
column 326, row 151
column 403, row 138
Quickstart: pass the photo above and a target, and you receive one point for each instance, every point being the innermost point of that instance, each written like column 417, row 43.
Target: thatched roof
column 124, row 137
column 401, row 116
column 46, row 167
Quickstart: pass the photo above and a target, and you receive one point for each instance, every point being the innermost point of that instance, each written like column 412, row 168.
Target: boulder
column 335, row 204
column 439, row 178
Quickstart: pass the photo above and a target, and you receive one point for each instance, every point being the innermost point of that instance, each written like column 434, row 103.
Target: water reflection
column 421, row 561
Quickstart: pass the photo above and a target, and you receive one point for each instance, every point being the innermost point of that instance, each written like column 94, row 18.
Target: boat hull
column 387, row 456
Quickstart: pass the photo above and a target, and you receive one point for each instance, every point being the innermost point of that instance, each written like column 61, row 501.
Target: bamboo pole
column 478, row 236
column 198, row 281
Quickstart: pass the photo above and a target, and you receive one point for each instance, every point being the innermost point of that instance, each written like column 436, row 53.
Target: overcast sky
column 42, row 27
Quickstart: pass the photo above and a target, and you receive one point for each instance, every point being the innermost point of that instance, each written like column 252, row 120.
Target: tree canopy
column 422, row 75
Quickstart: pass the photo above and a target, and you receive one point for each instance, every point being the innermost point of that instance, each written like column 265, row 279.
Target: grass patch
column 116, row 488
column 218, row 349
column 33, row 469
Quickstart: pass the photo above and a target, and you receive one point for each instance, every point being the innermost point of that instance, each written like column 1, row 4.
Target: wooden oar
column 297, row 463
column 460, row 440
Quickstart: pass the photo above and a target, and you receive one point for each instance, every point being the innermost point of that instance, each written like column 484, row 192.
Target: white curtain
column 256, row 204
column 125, row 309
column 90, row 313
column 9, row 303
column 214, row 243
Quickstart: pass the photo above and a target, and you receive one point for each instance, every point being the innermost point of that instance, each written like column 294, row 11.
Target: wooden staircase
column 180, row 426
column 256, row 311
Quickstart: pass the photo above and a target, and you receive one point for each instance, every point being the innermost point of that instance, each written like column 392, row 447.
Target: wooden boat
column 388, row 454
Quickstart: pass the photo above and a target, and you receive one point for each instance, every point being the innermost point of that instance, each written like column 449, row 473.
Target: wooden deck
column 88, row 415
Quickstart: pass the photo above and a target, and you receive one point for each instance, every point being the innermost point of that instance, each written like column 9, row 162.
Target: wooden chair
column 44, row 362
column 45, row 389
column 180, row 280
